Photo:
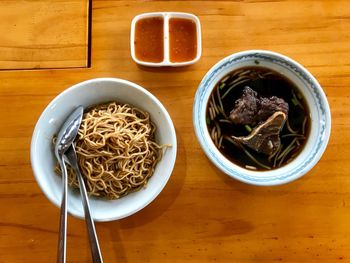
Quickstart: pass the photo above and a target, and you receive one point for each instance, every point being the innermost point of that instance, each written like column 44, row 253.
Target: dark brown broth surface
column 274, row 84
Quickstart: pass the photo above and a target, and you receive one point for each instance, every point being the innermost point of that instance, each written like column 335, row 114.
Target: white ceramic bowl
column 89, row 93
column 166, row 17
column 315, row 98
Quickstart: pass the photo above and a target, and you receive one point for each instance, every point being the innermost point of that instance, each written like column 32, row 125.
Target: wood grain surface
column 43, row 34
column 202, row 215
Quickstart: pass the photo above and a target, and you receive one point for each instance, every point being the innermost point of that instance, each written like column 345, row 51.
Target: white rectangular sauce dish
column 165, row 39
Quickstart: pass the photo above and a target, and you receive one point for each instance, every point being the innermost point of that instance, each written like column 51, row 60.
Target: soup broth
column 266, row 83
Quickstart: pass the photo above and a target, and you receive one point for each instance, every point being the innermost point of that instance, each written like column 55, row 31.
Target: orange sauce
column 149, row 39
column 182, row 39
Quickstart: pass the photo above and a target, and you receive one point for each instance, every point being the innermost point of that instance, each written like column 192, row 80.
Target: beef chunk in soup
column 246, row 108
column 269, row 106
column 251, row 109
column 265, row 137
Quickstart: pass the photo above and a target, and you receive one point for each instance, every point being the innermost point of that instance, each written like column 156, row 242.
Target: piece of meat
column 265, row 137
column 268, row 106
column 246, row 108
column 250, row 109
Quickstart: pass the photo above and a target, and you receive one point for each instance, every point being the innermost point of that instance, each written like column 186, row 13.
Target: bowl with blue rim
column 230, row 161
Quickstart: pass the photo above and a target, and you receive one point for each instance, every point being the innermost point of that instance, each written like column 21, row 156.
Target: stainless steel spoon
column 71, row 158
column 65, row 138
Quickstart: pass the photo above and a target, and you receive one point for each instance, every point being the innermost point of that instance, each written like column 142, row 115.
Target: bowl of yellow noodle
column 126, row 148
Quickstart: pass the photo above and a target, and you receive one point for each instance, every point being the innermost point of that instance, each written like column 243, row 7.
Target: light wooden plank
column 43, row 34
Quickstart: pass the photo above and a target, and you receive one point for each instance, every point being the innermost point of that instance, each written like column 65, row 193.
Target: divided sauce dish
column 165, row 39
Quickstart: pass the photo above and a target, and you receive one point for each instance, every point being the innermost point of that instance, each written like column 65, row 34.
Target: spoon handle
column 62, row 241
column 95, row 248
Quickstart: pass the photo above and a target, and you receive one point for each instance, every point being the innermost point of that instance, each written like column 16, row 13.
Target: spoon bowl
column 68, row 131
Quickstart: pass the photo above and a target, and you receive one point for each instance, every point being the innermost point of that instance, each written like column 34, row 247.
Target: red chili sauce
column 182, row 39
column 149, row 39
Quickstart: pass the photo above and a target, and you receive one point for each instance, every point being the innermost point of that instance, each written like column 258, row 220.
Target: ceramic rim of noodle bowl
column 315, row 98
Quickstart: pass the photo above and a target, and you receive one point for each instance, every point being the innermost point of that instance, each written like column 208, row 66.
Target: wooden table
column 202, row 215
